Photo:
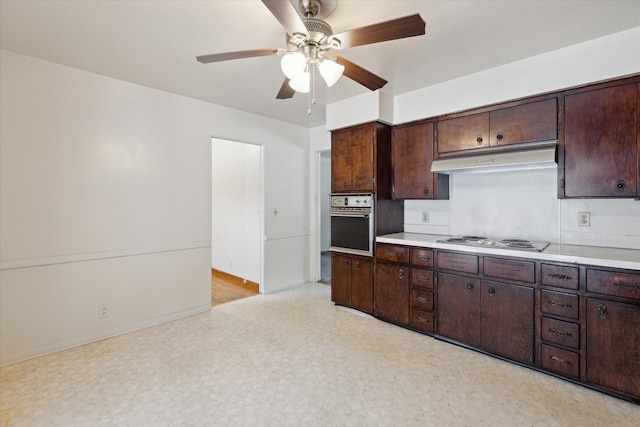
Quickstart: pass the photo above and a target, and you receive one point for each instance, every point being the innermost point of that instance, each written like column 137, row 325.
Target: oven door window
column 351, row 232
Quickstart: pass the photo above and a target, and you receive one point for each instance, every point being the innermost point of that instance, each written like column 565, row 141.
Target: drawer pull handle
column 424, row 257
column 421, row 320
column 625, row 285
column 602, row 311
column 422, row 299
column 559, row 332
column 469, row 287
column 559, row 361
column 559, row 276
column 559, row 304
column 423, row 278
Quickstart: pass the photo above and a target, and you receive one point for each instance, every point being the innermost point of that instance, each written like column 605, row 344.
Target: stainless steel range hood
column 535, row 158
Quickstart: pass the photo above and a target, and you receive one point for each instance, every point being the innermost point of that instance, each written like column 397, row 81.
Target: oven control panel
column 351, row 201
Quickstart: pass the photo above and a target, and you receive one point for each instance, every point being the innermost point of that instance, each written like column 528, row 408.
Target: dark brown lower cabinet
column 494, row 316
column 506, row 320
column 613, row 345
column 352, row 281
column 459, row 308
column 391, row 293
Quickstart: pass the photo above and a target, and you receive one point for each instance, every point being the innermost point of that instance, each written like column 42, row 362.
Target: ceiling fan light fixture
column 330, row 71
column 301, row 83
column 293, row 65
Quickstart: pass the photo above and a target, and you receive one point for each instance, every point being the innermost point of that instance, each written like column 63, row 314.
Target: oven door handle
column 351, row 215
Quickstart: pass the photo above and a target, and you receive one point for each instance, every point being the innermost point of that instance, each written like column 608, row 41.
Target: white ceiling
column 154, row 43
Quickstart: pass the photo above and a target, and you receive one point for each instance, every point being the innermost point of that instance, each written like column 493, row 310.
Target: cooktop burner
column 518, row 244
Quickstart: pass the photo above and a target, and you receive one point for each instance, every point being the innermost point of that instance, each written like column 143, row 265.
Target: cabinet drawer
column 422, row 320
column 560, row 276
column 560, row 304
column 422, row 257
column 560, row 332
column 422, row 278
column 523, row 271
column 421, row 299
column 614, row 283
column 393, row 253
column 560, row 361
column 458, row 262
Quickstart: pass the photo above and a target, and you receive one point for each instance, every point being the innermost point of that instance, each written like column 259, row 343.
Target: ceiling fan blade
column 360, row 75
column 286, row 91
column 217, row 57
column 409, row 26
column 287, row 15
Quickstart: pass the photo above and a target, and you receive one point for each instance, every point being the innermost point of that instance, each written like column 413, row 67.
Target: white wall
column 105, row 199
column 236, row 229
column 320, row 141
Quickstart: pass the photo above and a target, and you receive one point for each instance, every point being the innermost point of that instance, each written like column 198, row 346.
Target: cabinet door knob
column 602, row 311
column 346, row 184
column 357, row 265
column 620, row 185
column 401, row 273
column 345, row 263
column 426, row 191
column 499, row 136
column 492, row 292
column 469, row 287
column 479, row 140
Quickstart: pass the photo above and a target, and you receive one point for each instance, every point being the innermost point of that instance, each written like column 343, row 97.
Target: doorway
column 325, row 220
column 237, row 213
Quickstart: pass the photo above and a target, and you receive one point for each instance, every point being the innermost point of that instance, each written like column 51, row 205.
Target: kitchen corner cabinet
column 412, row 152
column 514, row 123
column 352, row 281
column 601, row 142
column 355, row 152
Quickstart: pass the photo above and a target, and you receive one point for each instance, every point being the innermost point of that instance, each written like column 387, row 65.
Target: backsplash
column 524, row 204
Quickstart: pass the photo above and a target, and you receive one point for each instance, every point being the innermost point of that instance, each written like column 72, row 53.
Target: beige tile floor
column 290, row 359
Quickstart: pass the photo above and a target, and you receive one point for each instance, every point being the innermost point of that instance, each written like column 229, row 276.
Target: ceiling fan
column 309, row 40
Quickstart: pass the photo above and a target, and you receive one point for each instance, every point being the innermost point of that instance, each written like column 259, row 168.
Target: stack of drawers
column 560, row 321
column 421, row 297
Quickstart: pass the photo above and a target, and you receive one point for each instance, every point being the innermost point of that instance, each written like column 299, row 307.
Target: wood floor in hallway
column 225, row 288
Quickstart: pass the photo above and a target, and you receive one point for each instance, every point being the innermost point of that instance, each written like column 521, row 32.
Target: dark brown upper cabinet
column 519, row 123
column 601, row 142
column 360, row 160
column 412, row 152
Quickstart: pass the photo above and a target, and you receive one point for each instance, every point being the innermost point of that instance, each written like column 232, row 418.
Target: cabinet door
column 362, row 144
column 600, row 146
column 362, row 284
column 391, row 293
column 535, row 121
column 463, row 133
column 613, row 345
column 341, row 279
column 411, row 157
column 341, row 176
column 506, row 324
column 459, row 308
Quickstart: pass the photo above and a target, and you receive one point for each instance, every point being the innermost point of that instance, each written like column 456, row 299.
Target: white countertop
column 574, row 254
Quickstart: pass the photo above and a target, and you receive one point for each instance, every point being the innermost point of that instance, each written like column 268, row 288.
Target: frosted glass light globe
column 293, row 65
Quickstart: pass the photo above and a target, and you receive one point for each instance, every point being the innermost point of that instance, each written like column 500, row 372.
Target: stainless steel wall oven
column 352, row 223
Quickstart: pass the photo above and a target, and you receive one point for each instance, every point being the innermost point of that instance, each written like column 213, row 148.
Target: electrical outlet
column 102, row 311
column 584, row 219
column 425, row 217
